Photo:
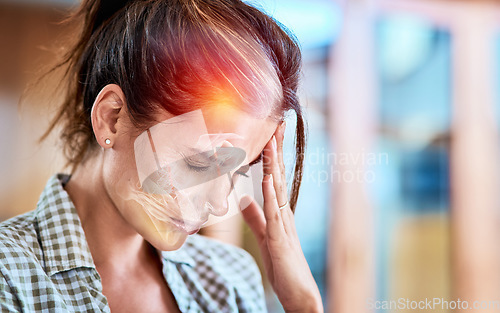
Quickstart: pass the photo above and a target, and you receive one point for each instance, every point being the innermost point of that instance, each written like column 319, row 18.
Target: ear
column 105, row 113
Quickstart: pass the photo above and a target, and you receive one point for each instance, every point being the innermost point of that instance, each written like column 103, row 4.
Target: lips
column 187, row 226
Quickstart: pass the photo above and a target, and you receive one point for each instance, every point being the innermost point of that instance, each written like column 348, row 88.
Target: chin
column 168, row 241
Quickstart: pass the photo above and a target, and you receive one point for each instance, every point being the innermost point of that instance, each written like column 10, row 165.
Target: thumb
column 253, row 216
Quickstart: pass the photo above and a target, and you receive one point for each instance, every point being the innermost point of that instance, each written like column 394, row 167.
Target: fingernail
column 268, row 177
column 273, row 143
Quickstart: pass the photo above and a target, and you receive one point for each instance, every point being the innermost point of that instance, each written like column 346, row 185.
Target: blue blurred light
column 405, row 44
column 316, row 23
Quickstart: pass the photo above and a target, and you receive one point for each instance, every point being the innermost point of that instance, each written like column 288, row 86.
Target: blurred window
column 412, row 190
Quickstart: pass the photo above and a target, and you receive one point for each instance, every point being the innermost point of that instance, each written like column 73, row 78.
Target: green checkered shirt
column 46, row 266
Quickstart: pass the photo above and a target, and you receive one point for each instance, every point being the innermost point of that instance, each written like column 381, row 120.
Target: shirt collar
column 61, row 233
column 60, row 230
column 178, row 256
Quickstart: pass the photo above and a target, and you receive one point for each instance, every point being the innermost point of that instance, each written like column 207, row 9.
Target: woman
column 151, row 80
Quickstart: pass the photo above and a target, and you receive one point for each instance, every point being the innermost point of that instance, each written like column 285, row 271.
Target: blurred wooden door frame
column 352, row 122
column 474, row 151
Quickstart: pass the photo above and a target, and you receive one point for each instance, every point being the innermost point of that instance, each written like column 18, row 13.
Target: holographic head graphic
column 187, row 175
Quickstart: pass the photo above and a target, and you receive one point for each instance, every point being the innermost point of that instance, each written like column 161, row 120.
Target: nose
column 218, row 207
column 217, row 193
column 217, row 197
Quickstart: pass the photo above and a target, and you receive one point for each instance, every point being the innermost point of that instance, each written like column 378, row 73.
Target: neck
column 113, row 243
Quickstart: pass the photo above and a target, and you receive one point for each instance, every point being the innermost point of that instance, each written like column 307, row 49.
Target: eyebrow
column 258, row 159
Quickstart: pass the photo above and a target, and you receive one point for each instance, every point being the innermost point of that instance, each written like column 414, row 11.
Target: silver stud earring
column 107, row 141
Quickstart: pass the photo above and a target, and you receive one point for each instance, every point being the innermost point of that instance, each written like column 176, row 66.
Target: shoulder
column 18, row 239
column 20, row 251
column 20, row 258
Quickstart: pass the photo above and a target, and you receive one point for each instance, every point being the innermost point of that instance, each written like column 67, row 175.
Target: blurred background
column 400, row 195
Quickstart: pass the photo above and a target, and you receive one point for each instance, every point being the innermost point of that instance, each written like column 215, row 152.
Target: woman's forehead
column 243, row 129
column 202, row 130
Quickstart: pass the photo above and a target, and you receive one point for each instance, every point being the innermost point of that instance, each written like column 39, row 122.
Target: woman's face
column 166, row 181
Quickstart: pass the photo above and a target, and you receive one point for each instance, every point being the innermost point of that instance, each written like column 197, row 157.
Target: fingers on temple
column 287, row 214
column 280, row 135
column 275, row 227
column 271, row 166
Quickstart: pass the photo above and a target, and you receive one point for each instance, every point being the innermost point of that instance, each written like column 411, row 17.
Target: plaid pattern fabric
column 46, row 266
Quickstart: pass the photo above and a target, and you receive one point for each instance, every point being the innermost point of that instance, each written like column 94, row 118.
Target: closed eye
column 198, row 168
column 195, row 165
column 244, row 169
column 258, row 159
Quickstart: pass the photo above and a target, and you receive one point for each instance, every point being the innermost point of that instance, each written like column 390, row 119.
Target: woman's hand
column 274, row 228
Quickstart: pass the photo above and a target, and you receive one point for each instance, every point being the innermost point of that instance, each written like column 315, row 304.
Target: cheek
column 138, row 212
column 161, row 235
column 120, row 173
column 121, row 181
